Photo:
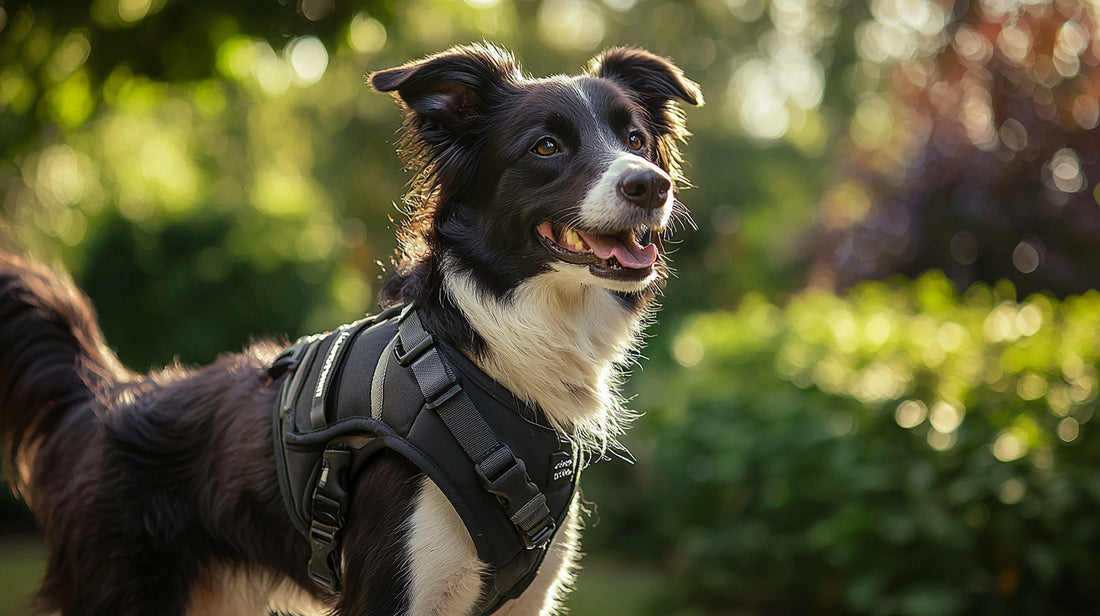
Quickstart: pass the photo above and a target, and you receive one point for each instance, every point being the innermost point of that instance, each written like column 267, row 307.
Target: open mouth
column 629, row 254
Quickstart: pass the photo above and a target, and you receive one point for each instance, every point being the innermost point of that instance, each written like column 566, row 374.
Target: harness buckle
column 326, row 510
column 329, row 500
column 322, row 533
column 533, row 518
column 323, row 541
column 405, row 358
column 509, row 479
column 542, row 535
column 525, row 505
column 443, row 397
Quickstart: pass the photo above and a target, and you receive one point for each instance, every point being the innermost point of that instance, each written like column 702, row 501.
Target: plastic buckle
column 515, row 490
column 330, row 495
column 404, row 358
column 533, row 518
column 441, row 398
column 326, row 511
column 323, row 534
column 329, row 498
column 322, row 539
column 542, row 535
column 510, row 484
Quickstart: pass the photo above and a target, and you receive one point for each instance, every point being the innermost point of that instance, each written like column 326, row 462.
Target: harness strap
column 501, row 472
column 330, row 500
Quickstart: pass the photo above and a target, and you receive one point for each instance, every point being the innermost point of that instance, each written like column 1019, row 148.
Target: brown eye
column 546, row 147
column 635, row 141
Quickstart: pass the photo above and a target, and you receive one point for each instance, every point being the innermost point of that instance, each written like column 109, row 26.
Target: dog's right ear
column 445, row 93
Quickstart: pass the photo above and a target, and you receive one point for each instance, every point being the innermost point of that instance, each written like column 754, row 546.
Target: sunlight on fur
column 563, row 349
column 445, row 575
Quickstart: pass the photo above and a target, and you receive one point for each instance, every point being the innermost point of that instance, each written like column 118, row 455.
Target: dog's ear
column 656, row 84
column 446, row 92
column 652, row 77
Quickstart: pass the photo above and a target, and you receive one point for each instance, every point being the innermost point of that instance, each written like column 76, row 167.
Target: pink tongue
column 630, row 254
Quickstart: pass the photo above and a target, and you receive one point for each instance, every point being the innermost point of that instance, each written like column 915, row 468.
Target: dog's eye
column 635, row 141
column 546, row 147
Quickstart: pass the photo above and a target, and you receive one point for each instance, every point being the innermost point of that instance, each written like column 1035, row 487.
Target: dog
column 534, row 246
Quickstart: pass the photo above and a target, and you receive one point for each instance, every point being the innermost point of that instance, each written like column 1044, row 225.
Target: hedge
column 899, row 450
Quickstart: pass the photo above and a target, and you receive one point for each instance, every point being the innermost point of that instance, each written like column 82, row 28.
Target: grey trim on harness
column 378, row 382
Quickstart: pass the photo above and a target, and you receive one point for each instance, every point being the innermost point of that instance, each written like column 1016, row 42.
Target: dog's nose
column 645, row 188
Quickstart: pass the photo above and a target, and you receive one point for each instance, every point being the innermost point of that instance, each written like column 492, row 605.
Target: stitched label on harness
column 326, row 369
column 561, row 466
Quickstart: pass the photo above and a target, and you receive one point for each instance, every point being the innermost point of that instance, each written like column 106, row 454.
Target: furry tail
column 53, row 358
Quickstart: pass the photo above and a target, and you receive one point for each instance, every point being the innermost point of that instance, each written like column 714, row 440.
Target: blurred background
column 870, row 387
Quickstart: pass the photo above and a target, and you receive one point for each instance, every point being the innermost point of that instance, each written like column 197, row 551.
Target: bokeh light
column 308, row 60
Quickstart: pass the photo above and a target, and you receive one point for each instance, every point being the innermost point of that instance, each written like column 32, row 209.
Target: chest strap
column 501, row 472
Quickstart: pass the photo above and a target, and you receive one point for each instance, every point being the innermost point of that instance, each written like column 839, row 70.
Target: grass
column 22, row 563
column 611, row 587
column 605, row 586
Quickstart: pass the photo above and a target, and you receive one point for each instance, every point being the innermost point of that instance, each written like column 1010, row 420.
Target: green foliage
column 209, row 175
column 901, row 450
column 216, row 201
column 123, row 122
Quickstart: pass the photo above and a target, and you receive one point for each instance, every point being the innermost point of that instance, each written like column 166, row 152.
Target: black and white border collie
column 534, row 245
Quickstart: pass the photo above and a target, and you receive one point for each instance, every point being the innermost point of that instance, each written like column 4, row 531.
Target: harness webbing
column 500, row 471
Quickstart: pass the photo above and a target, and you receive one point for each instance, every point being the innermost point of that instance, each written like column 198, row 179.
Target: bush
column 901, row 450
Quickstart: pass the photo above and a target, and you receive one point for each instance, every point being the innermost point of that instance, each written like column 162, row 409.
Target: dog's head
column 520, row 176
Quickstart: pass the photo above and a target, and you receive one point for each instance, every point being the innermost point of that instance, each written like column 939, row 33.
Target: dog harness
column 385, row 382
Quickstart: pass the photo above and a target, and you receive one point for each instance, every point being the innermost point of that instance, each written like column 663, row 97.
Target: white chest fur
column 557, row 342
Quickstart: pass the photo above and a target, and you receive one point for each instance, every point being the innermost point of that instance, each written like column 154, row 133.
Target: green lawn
column 611, row 587
column 604, row 586
column 22, row 562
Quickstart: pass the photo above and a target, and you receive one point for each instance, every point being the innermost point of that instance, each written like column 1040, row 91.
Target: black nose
column 644, row 188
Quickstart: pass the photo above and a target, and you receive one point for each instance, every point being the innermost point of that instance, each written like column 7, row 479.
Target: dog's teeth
column 644, row 235
column 572, row 240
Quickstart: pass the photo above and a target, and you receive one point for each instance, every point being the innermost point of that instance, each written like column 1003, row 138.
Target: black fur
column 145, row 485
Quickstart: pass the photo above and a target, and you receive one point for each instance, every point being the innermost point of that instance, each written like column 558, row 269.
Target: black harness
column 386, row 382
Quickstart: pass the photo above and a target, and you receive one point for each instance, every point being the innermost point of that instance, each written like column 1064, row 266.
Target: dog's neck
column 556, row 343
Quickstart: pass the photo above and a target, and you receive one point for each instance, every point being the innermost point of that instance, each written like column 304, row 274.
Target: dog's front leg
column 444, row 570
column 555, row 577
column 407, row 551
column 443, row 575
